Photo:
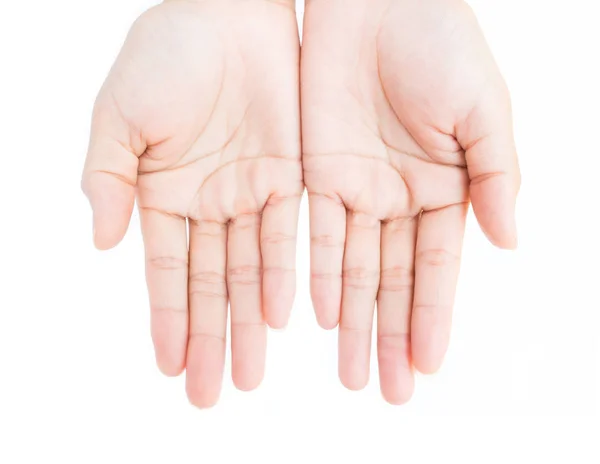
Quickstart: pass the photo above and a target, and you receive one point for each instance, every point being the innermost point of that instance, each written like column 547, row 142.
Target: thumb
column 109, row 179
column 493, row 167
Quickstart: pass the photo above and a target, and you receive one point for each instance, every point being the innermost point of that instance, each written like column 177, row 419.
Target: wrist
column 286, row 3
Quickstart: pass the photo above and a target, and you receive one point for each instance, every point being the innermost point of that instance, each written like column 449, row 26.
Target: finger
column 248, row 328
column 437, row 263
column 327, row 236
column 360, row 280
column 394, row 303
column 278, row 250
column 493, row 167
column 109, row 178
column 208, row 312
column 165, row 242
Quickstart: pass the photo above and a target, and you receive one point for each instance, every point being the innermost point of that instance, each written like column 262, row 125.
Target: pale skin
column 199, row 122
column 405, row 118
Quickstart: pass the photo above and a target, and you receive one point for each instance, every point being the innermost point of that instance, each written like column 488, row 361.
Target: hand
column 405, row 116
column 199, row 120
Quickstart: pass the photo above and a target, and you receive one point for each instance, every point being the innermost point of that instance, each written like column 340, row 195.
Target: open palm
column 405, row 118
column 199, row 121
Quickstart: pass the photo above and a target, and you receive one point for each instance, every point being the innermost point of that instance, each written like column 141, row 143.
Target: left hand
column 405, row 117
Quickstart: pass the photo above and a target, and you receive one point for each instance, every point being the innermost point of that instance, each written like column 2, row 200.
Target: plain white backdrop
column 78, row 384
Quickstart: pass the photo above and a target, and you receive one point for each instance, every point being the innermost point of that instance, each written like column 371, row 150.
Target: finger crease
column 167, row 263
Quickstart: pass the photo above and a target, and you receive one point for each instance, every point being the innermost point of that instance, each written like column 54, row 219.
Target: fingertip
column 277, row 315
column 428, row 351
column 201, row 398
column 327, row 305
column 354, row 358
column 398, row 396
column 327, row 320
column 501, row 233
column 511, row 238
column 428, row 367
column 202, row 402
column 353, row 383
column 169, row 349
column 248, row 359
column 278, row 299
column 169, row 368
column 112, row 202
column 105, row 238
column 396, row 373
column 428, row 361
column 496, row 216
column 247, row 383
column 248, row 354
column 277, row 322
column 204, row 369
column 506, row 243
column 169, row 358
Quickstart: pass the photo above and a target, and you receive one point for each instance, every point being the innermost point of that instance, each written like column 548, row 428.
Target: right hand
column 199, row 120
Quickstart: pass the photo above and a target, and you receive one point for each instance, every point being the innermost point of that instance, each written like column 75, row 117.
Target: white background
column 78, row 383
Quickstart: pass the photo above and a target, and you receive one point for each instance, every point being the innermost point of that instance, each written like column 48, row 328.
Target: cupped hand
column 405, row 119
column 199, row 120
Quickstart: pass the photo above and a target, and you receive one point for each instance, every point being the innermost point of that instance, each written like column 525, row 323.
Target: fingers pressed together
column 406, row 267
column 247, row 263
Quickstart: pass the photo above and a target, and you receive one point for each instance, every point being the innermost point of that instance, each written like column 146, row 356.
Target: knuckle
column 360, row 273
column 360, row 277
column 166, row 263
column 244, row 275
column 169, row 310
column 277, row 238
column 355, row 329
column 208, row 229
column 208, row 285
column 326, row 241
column 334, row 199
column 401, row 224
column 396, row 279
column 198, row 334
column 434, row 309
column 361, row 220
column 394, row 342
column 278, row 271
column 325, row 275
column 281, row 200
column 438, row 257
column 485, row 176
column 245, row 221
